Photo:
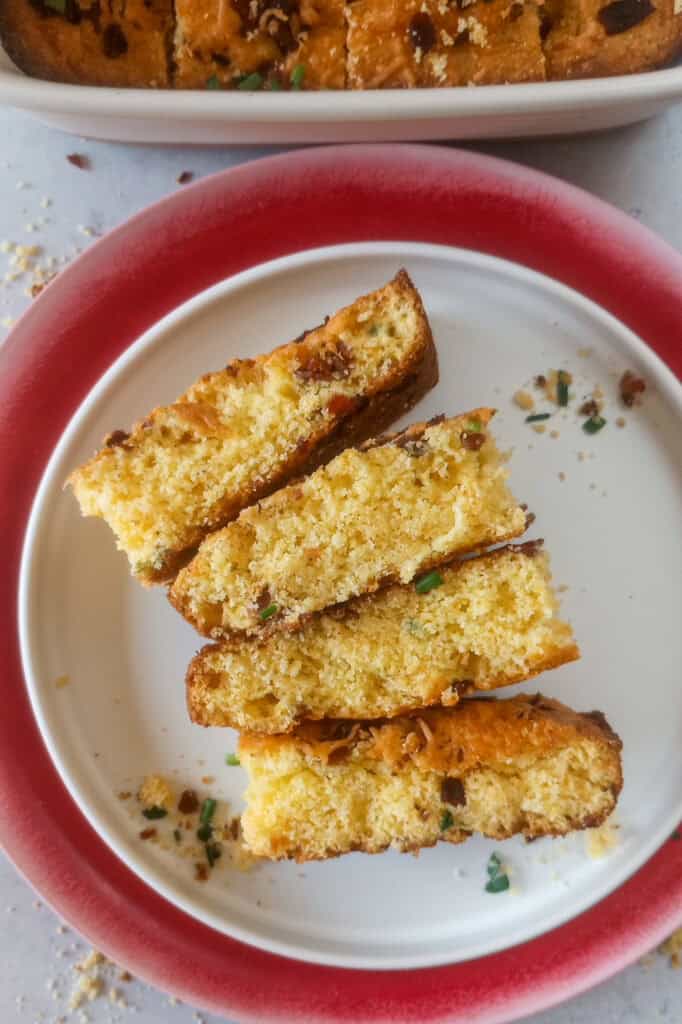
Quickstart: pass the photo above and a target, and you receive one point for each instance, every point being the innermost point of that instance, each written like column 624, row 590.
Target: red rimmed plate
column 100, row 306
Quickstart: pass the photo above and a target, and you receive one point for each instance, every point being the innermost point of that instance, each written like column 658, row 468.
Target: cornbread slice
column 527, row 765
column 434, row 43
column 238, row 434
column 588, row 38
column 373, row 516
column 219, row 43
column 491, row 622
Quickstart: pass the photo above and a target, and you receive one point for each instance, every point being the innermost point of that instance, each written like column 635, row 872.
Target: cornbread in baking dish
column 486, row 622
column 336, row 44
column 239, row 433
column 526, row 765
column 122, row 43
column 383, row 513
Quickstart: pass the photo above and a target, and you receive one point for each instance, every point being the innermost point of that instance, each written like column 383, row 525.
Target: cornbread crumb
column 156, row 791
column 62, row 681
column 585, row 353
column 620, row 420
column 672, row 947
column 554, row 434
column 601, row 841
column 524, row 400
column 539, row 428
column 562, row 476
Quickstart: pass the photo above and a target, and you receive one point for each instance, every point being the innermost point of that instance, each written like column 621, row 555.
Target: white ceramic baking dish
column 139, row 115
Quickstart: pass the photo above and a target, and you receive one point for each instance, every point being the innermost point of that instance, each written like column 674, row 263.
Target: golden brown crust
column 454, row 740
column 122, row 44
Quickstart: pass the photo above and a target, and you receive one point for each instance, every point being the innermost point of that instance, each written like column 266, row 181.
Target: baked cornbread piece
column 527, row 765
column 121, row 42
column 238, row 434
column 222, row 43
column 596, row 38
column 491, row 622
column 383, row 513
column 436, row 43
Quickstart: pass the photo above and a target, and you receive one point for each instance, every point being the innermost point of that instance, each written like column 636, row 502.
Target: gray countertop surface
column 46, row 201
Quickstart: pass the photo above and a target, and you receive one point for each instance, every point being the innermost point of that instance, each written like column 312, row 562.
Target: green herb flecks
column 297, row 76
column 498, row 880
column 562, row 388
column 594, row 424
column 213, row 853
column 429, row 582
column 232, row 760
column 155, row 812
column 56, row 5
column 268, row 612
column 474, row 426
column 274, row 85
column 213, row 82
column 251, row 83
column 207, row 811
column 447, row 821
column 538, row 417
column 415, row 627
column 177, row 835
column 205, row 832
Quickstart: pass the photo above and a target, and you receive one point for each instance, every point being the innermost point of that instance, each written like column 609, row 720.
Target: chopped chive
column 676, row 834
column 207, row 810
column 429, row 582
column 232, row 760
column 274, row 85
column 204, row 832
column 177, row 835
column 213, row 82
column 537, row 417
column 297, row 76
column 56, row 5
column 447, row 821
column 562, row 388
column 594, row 424
column 213, row 853
column 152, row 813
column 500, row 883
column 475, row 426
column 251, row 82
column 494, row 865
column 268, row 612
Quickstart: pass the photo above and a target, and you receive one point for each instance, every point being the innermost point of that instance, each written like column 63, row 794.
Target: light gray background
column 638, row 169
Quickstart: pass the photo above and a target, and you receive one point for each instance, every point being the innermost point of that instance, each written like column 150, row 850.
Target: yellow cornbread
column 384, row 513
column 490, row 622
column 498, row 767
column 238, row 434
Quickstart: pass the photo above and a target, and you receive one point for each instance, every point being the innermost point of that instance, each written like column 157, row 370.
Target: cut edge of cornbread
column 384, row 512
column 239, row 434
column 526, row 765
column 492, row 622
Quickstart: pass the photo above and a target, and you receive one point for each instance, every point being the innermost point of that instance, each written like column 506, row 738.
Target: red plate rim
column 58, row 350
